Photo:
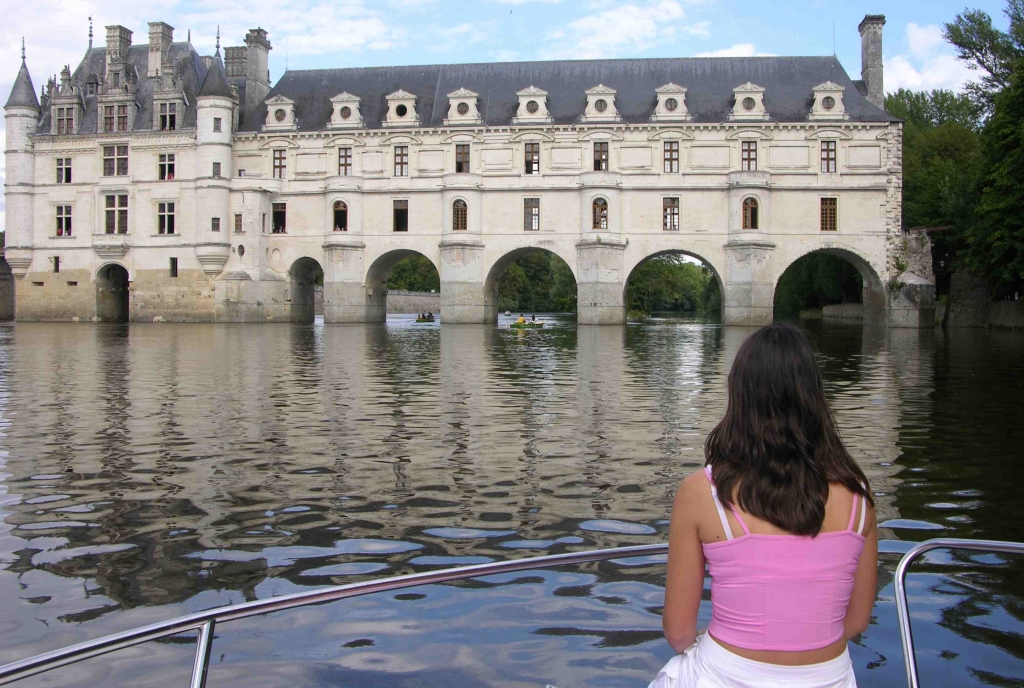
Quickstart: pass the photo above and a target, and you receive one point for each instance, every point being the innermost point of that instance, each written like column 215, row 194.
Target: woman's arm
column 865, row 581
column 684, row 582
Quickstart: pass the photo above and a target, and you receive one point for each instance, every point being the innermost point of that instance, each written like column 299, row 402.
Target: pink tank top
column 781, row 592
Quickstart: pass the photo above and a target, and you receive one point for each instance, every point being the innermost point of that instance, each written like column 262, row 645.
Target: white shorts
column 706, row 664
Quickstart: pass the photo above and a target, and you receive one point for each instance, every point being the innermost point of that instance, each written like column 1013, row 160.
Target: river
column 150, row 470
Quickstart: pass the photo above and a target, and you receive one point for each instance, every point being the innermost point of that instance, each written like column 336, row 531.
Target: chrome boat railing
column 204, row 623
column 902, row 608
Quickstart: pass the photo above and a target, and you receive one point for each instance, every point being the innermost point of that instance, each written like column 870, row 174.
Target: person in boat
column 522, row 320
column 430, row 317
column 785, row 521
column 533, row 318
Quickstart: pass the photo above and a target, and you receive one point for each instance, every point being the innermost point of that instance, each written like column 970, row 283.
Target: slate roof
column 788, row 83
column 216, row 82
column 24, row 93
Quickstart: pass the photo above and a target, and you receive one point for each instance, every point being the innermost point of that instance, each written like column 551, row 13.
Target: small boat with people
column 425, row 318
column 523, row 324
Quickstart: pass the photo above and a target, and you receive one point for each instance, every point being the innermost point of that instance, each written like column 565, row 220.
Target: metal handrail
column 206, row 621
column 903, row 610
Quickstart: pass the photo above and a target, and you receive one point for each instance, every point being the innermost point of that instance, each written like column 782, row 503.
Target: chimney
column 871, row 57
column 234, row 62
column 119, row 39
column 257, row 76
column 161, row 36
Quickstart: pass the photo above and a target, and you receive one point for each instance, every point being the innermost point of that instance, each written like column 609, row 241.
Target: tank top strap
column 853, row 512
column 718, row 504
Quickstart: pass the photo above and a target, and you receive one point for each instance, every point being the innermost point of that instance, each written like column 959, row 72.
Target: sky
column 310, row 34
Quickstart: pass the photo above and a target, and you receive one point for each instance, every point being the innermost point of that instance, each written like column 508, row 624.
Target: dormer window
column 66, row 120
column 90, row 89
column 345, row 112
column 828, row 102
column 671, row 104
column 280, row 114
column 462, row 108
column 601, row 105
column 748, row 103
column 533, row 106
column 401, row 110
column 115, row 79
column 168, row 116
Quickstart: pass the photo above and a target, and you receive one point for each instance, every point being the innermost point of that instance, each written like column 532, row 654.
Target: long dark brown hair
column 777, row 448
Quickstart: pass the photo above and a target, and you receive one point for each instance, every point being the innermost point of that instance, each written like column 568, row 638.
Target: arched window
column 750, row 213
column 340, row 216
column 460, row 215
column 600, row 213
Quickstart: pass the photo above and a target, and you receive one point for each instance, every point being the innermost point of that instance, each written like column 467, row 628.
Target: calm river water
column 148, row 471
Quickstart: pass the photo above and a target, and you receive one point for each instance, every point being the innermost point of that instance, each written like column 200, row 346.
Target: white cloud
column 457, row 36
column 622, row 29
column 929, row 63
column 736, row 50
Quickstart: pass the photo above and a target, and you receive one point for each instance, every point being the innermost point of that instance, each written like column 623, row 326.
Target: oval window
column 279, row 115
column 600, row 105
column 828, row 102
column 241, row 251
column 462, row 108
column 532, row 107
column 748, row 103
column 671, row 104
column 401, row 111
column 345, row 112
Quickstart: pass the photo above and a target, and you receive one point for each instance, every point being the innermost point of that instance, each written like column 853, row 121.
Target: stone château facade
column 151, row 183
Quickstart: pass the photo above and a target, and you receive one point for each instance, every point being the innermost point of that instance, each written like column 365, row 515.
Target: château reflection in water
column 151, row 470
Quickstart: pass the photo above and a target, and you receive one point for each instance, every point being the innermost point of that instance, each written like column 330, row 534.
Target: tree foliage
column 671, row 283
column 539, row 282
column 415, row 273
column 816, row 280
column 987, row 50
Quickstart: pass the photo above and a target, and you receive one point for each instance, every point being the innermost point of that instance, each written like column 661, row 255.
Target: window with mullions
column 63, row 220
column 600, row 156
column 280, row 166
column 531, row 214
column 279, row 219
column 748, row 155
column 671, row 156
column 216, row 170
column 401, row 161
column 461, row 158
column 116, row 214
column 65, row 120
column 122, row 117
column 345, row 162
column 238, row 222
column 600, row 212
column 108, row 118
column 670, row 215
column 115, row 161
column 214, row 224
column 165, row 166
column 828, row 156
column 168, row 116
column 340, row 216
column 532, row 158
column 165, row 218
column 460, row 215
column 63, row 170
column 750, row 219
column 829, row 214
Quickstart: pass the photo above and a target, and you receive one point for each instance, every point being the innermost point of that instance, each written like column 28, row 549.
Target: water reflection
column 153, row 470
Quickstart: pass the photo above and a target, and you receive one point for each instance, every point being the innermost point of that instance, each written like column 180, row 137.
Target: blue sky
column 344, row 33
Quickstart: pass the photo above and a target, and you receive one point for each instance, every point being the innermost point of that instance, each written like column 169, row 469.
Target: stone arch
column 306, row 276
column 112, row 292
column 715, row 271
column 502, row 264
column 376, row 281
column 873, row 296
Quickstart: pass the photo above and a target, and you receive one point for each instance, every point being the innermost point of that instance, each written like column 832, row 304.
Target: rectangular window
column 748, row 155
column 401, row 161
column 215, row 224
column 63, row 220
column 117, row 79
column 108, row 118
column 241, row 173
column 165, row 166
column 263, row 224
column 174, row 267
column 90, row 88
column 670, row 215
column 65, row 120
column 63, row 170
column 216, row 124
column 672, row 156
column 461, row 158
column 345, row 162
column 401, row 216
column 116, row 212
column 56, row 264
column 280, row 219
column 600, row 156
column 828, row 156
column 168, row 116
column 122, row 118
column 279, row 164
column 216, row 169
column 238, row 222
column 531, row 214
column 165, row 218
column 115, row 161
column 829, row 214
column 533, row 158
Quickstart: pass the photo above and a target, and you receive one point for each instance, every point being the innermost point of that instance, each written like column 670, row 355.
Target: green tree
column 671, row 283
column 816, row 280
column 540, row 282
column 988, row 50
column 415, row 273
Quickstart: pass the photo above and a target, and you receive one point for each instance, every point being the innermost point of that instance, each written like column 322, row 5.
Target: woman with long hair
column 784, row 520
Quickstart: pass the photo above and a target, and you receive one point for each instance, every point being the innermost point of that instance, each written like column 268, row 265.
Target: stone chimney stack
column 161, row 36
column 234, row 61
column 871, row 57
column 119, row 39
column 257, row 75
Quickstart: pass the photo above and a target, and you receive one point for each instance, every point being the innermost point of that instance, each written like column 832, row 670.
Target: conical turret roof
column 216, row 82
column 24, row 93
